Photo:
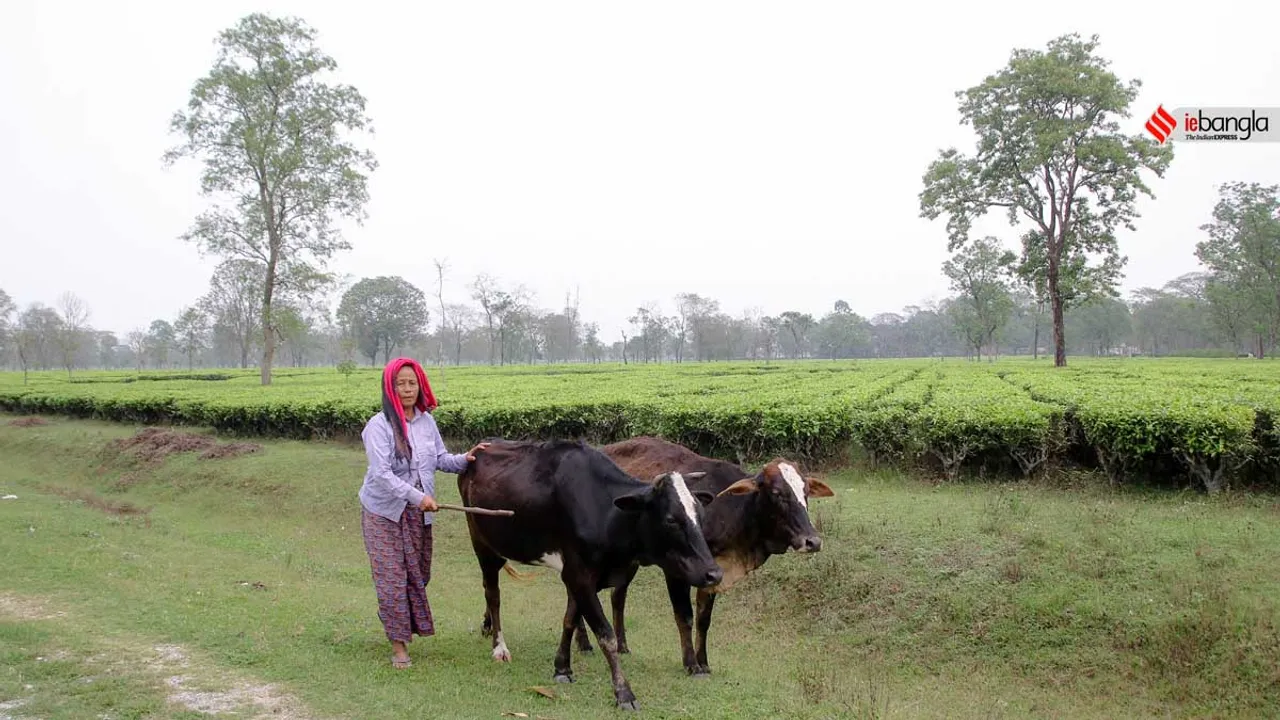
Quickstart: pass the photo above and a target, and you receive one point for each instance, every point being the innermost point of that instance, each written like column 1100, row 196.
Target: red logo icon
column 1161, row 124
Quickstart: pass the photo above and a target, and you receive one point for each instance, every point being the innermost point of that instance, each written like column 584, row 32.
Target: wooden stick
column 476, row 510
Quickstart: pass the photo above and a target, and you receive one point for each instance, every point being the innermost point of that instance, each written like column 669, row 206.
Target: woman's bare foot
column 400, row 656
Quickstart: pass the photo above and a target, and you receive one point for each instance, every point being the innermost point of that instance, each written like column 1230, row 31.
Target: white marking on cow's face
column 551, row 560
column 686, row 497
column 500, row 651
column 794, row 481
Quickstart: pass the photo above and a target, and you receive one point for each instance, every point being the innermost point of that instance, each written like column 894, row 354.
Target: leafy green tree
column 979, row 274
column 271, row 135
column 7, row 310
column 233, row 302
column 189, row 332
column 383, row 313
column 1049, row 153
column 1102, row 324
column 160, row 340
column 1243, row 256
column 842, row 333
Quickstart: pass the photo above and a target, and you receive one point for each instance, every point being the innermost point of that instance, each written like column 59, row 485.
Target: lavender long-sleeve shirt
column 391, row 483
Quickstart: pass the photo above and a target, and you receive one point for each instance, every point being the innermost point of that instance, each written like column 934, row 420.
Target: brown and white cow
column 751, row 518
column 577, row 512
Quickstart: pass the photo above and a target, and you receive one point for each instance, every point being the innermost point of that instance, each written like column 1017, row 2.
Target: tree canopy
column 1050, row 152
column 271, row 135
column 383, row 313
column 1243, row 257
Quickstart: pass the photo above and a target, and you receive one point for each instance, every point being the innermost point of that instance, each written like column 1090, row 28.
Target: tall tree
column 462, row 318
column 1243, row 253
column 1049, row 152
column 441, row 266
column 7, row 310
column 161, row 339
column 271, row 135
column 74, row 329
column 37, row 332
column 485, row 290
column 978, row 273
column 232, row 302
column 137, row 341
column 797, row 325
column 383, row 313
column 189, row 329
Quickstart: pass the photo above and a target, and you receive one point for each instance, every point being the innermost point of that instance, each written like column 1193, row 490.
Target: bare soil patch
column 201, row 690
column 23, row 608
column 123, row 509
column 152, row 445
column 28, row 422
column 233, row 449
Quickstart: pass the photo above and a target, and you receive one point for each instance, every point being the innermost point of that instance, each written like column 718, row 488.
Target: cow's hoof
column 501, row 654
column 624, row 650
column 563, row 678
column 631, row 705
column 699, row 671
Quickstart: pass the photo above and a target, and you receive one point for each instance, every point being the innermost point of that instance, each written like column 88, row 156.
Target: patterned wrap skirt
column 400, row 557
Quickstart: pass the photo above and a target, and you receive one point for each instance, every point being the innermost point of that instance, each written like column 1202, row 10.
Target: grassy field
column 1204, row 423
column 155, row 585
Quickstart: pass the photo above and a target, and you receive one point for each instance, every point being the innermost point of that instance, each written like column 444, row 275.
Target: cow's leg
column 682, row 609
column 482, row 553
column 589, row 605
column 572, row 621
column 490, row 565
column 706, row 601
column 580, row 634
column 619, row 601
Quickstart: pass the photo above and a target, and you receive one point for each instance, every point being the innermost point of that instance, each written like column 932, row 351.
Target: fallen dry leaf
column 544, row 692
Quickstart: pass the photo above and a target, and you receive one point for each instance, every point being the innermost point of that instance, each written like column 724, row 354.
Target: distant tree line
column 1231, row 307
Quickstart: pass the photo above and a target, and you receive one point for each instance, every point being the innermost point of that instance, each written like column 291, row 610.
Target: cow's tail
column 515, row 574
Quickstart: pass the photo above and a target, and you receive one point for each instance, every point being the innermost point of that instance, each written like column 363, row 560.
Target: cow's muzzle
column 808, row 544
column 712, row 576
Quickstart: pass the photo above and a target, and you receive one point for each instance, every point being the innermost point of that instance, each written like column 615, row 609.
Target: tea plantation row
column 1206, row 421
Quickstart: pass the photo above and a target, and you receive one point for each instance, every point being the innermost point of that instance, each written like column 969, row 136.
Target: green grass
column 955, row 601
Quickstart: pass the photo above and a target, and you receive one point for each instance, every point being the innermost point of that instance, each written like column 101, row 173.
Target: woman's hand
column 428, row 504
column 471, row 454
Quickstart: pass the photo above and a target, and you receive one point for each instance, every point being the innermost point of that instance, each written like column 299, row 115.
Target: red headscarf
column 394, row 410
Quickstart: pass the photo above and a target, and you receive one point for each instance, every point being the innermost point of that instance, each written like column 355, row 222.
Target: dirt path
column 186, row 679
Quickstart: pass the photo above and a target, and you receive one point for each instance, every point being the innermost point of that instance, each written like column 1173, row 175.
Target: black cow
column 577, row 512
column 750, row 519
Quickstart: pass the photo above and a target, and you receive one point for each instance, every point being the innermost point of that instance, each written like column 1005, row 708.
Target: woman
column 405, row 449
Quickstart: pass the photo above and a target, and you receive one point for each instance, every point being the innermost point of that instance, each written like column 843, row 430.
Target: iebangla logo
column 1161, row 124
column 1222, row 124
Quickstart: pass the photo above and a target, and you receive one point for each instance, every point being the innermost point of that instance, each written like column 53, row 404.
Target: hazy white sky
column 768, row 155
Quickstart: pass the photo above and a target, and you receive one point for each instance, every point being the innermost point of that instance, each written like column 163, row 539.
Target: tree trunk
column 268, row 332
column 1055, row 300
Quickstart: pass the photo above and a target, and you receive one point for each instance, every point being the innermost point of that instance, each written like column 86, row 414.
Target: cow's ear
column 745, row 486
column 632, row 502
column 817, row 488
column 704, row 497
